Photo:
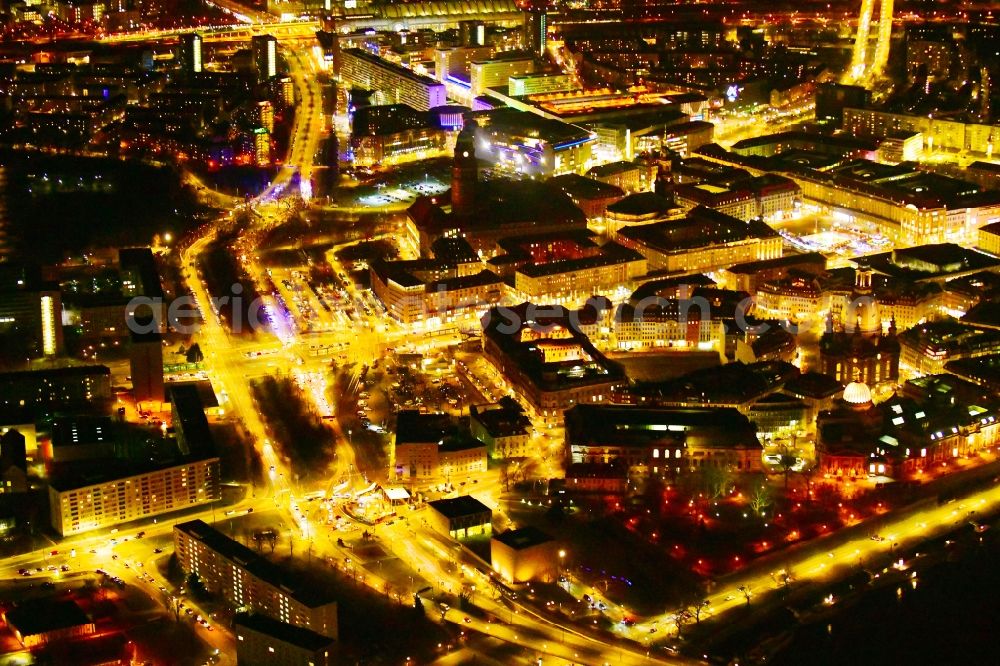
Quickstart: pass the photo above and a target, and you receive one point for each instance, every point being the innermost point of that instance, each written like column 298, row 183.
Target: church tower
column 464, row 172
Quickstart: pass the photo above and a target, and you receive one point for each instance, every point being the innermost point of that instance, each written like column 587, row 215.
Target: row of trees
column 300, row 434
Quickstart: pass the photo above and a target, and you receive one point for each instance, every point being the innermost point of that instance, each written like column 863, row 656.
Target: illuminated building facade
column 541, row 82
column 265, row 115
column 247, row 580
column 939, row 133
column 397, row 84
column 264, row 50
column 432, row 447
column 989, row 238
column 460, row 517
column 189, row 53
column 422, row 290
column 33, row 308
column 524, row 555
column 703, row 241
column 496, row 72
column 528, row 144
column 855, row 349
column 932, row 421
column 261, row 147
column 928, row 347
column 263, row 640
column 502, row 427
column 550, row 369
column 82, row 504
column 630, row 176
column 738, row 203
column 394, row 133
column 665, row 442
column 657, row 324
column 456, row 61
column 612, row 267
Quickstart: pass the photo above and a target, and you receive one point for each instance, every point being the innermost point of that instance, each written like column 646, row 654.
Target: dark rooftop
column 641, row 203
column 300, row 637
column 82, row 429
column 38, row 616
column 522, row 538
column 581, row 187
column 458, row 507
column 814, row 385
column 751, row 267
column 702, row 227
column 611, row 253
column 253, row 562
column 191, row 420
column 711, row 427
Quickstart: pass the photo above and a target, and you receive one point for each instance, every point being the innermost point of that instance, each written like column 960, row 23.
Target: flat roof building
column 120, row 493
column 397, row 84
column 705, row 240
column 460, row 517
column 263, row 641
column 248, row 580
column 663, row 441
column 40, row 621
column 524, row 555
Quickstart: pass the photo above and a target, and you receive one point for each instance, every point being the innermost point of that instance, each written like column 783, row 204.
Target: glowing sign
column 733, row 92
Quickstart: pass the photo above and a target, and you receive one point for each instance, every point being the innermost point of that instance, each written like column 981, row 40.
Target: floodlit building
column 395, row 83
column 550, row 365
column 705, row 240
column 525, row 143
column 120, row 494
column 663, row 441
column 434, row 447
column 460, row 517
column 503, row 427
column 525, row 555
column 539, row 82
column 611, row 267
column 189, row 53
column 496, row 72
column 33, row 308
column 248, row 580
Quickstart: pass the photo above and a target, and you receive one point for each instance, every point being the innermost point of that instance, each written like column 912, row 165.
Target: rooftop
column 459, row 507
column 525, row 537
column 610, row 253
column 398, row 70
column 74, row 430
column 191, row 420
column 256, row 564
column 710, row 427
column 581, row 187
column 641, row 203
column 703, row 227
column 38, row 616
column 300, row 637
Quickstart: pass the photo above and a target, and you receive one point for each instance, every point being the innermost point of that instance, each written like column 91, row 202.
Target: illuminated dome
column 857, row 393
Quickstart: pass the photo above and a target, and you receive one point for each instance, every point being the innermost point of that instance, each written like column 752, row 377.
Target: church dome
column 864, row 316
column 857, row 393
